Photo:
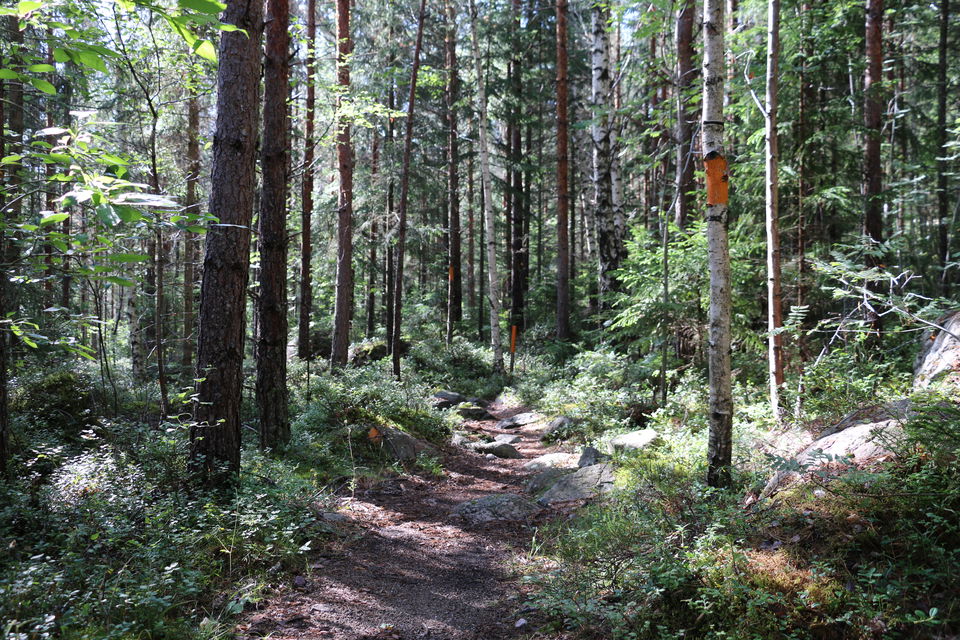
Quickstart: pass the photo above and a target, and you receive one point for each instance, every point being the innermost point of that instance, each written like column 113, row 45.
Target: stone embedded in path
column 542, row 481
column 447, row 399
column 499, row 449
column 558, row 428
column 552, row 460
column 474, row 412
column 518, row 420
column 397, row 444
column 506, row 506
column 507, row 438
column 634, row 441
column 584, row 484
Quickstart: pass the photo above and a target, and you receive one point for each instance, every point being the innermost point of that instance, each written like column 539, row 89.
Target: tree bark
column 271, row 303
column 873, row 123
column 343, row 306
column 455, row 276
column 372, row 255
column 304, row 345
column 404, row 193
column 215, row 438
column 774, row 289
column 563, row 176
column 493, row 293
column 720, row 445
column 191, row 206
column 943, row 152
column 685, row 138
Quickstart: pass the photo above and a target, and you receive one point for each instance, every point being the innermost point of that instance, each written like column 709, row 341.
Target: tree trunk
column 455, row 277
column 943, row 152
column 215, row 438
column 304, row 346
column 344, row 296
column 873, row 121
column 774, row 290
column 271, row 303
column 372, row 255
column 4, row 279
column 404, row 192
column 493, row 293
column 517, row 193
column 563, row 175
column 685, row 137
column 191, row 206
column 720, row 445
column 471, row 238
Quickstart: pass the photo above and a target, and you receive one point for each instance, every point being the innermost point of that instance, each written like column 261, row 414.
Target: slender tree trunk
column 455, row 277
column 873, row 121
column 271, row 303
column 4, row 279
column 563, row 175
column 372, row 256
column 215, row 438
column 304, row 346
column 471, row 238
column 493, row 293
column 191, row 206
column 774, row 290
column 943, row 152
column 685, row 138
column 720, row 446
column 388, row 251
column 344, row 296
column 404, row 193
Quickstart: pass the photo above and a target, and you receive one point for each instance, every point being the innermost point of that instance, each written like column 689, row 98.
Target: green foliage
column 462, row 367
column 60, row 402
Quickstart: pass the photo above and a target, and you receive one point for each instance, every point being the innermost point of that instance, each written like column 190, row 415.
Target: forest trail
column 412, row 570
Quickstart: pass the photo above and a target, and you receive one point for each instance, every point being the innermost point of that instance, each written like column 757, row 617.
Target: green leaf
column 128, row 257
column 43, row 85
column 202, row 6
column 206, row 50
column 8, row 74
column 108, row 215
column 128, row 214
column 123, row 282
column 41, row 68
column 26, row 6
column 92, row 60
column 14, row 159
column 61, row 55
column 53, row 218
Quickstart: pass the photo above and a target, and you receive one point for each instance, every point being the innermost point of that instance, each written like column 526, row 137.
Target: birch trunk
column 493, row 293
column 774, row 290
column 720, row 445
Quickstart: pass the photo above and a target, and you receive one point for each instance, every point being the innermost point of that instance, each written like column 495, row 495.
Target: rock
column 855, row 444
column 490, row 456
column 558, row 428
column 542, row 481
column 333, row 516
column 552, row 460
column 584, row 484
column 633, row 441
column 939, row 358
column 474, row 412
column 398, row 444
column 460, row 440
column 518, row 420
column 507, row 438
column 591, row 456
column 446, row 399
column 362, row 353
column 499, row 449
column 505, row 506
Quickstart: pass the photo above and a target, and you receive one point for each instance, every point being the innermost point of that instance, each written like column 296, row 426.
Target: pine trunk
column 563, row 175
column 455, row 277
column 304, row 346
column 343, row 306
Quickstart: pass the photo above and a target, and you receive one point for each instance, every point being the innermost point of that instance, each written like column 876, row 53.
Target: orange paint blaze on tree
column 718, row 181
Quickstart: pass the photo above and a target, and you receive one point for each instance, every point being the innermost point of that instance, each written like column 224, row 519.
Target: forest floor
column 409, row 569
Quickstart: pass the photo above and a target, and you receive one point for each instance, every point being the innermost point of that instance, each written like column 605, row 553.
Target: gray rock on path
column 460, row 440
column 447, row 399
column 558, row 428
column 494, row 508
column 583, row 484
column 591, row 456
column 634, row 441
column 552, row 460
column 499, row 449
column 540, row 482
column 519, row 420
column 939, row 358
column 474, row 412
column 507, row 438
column 857, row 444
column 400, row 445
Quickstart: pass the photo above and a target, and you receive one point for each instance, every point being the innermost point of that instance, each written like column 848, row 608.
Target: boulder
column 365, row 352
column 508, row 438
column 857, row 444
column 474, row 412
column 583, row 484
column 591, row 456
column 460, row 440
column 540, row 482
column 499, row 449
column 494, row 508
column 446, row 399
column 558, row 428
column 634, row 441
column 519, row 420
column 553, row 460
column 397, row 444
column 939, row 358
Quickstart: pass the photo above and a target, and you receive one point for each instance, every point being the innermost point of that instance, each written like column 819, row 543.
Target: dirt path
column 413, row 571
